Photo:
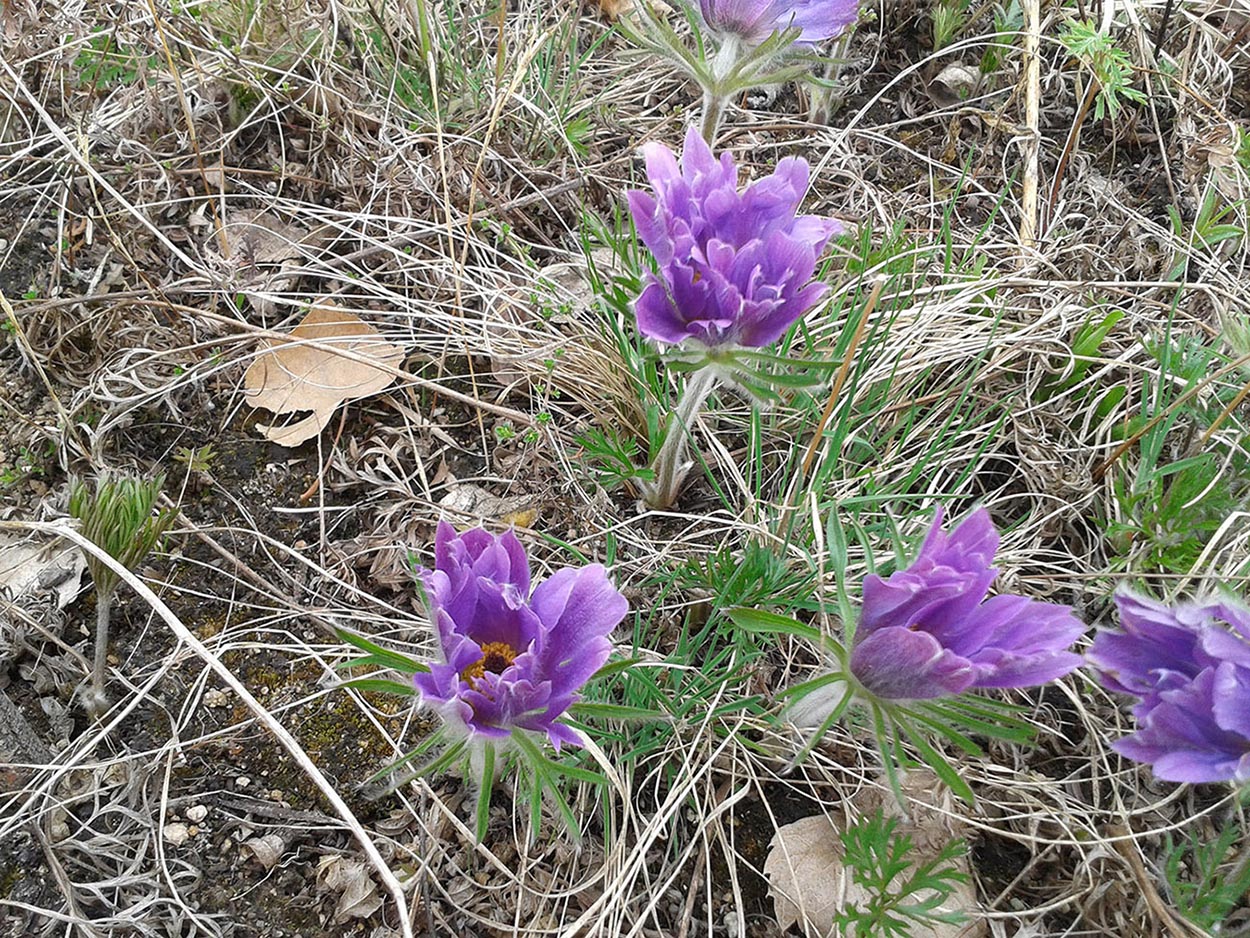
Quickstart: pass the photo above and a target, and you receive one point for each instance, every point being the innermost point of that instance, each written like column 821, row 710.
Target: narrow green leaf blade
column 484, row 794
column 770, row 623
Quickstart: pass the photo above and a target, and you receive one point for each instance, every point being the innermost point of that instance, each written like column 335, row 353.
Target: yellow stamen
column 496, row 658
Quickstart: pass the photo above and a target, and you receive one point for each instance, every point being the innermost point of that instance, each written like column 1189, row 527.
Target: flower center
column 496, row 657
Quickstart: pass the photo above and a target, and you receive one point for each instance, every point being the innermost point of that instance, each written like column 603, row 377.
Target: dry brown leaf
column 806, row 877
column 27, row 565
column 473, row 500
column 296, row 376
column 520, row 519
column 260, row 254
column 358, row 893
column 267, row 850
column 613, row 9
column 810, row 885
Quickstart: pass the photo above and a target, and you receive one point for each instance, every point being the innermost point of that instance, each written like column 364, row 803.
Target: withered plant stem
column 96, row 700
column 1032, row 103
column 840, row 378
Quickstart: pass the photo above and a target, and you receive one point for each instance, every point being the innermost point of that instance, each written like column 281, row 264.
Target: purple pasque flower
column 928, row 631
column 753, row 21
column 735, row 268
column 1188, row 665
column 512, row 657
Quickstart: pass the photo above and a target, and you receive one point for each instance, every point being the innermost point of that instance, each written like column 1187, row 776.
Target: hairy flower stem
column 715, row 93
column 670, row 465
column 95, row 699
column 713, row 110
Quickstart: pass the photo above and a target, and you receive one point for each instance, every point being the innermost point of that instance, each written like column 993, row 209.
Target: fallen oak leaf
column 806, row 878
column 308, row 373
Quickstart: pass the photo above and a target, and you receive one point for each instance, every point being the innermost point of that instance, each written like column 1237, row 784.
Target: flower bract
column 735, row 268
column 928, row 631
column 1188, row 665
column 753, row 21
column 512, row 657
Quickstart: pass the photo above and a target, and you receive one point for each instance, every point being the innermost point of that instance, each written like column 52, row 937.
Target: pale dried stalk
column 1032, row 101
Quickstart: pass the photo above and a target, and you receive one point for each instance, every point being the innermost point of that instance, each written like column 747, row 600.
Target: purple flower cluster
column 753, row 21
column 1189, row 668
column 512, row 658
column 735, row 268
column 929, row 631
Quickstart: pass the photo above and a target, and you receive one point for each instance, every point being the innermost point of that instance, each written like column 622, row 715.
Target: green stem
column 670, row 465
column 423, row 30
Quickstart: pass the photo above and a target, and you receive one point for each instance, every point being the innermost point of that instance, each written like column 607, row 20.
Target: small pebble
column 196, row 813
column 242, row 781
column 216, row 698
column 176, row 833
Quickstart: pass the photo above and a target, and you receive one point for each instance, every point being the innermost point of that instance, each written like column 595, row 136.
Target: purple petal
column 657, row 316
column 947, row 581
column 662, row 168
column 1155, row 641
column 1231, row 699
column 500, row 703
column 559, row 734
column 929, row 631
column 998, row 668
column 734, row 268
column 554, row 639
column 1019, row 642
column 578, row 609
column 501, row 616
column 696, row 158
column 1218, row 644
column 897, row 663
column 816, row 231
column 1180, row 738
column 970, row 547
column 650, row 225
column 439, row 684
column 753, row 21
column 501, row 559
column 823, row 19
column 1234, row 613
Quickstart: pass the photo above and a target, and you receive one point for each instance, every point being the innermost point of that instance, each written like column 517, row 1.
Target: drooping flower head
column 929, row 631
column 735, row 268
column 1188, row 665
column 512, row 657
column 753, row 21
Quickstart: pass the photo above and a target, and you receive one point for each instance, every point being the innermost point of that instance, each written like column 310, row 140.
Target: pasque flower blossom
column 1188, row 665
column 735, row 268
column 929, row 631
column 512, row 657
column 753, row 21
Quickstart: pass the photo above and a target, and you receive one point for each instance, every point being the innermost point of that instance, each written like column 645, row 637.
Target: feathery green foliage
column 903, row 894
column 1204, row 887
column 117, row 516
column 1112, row 68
